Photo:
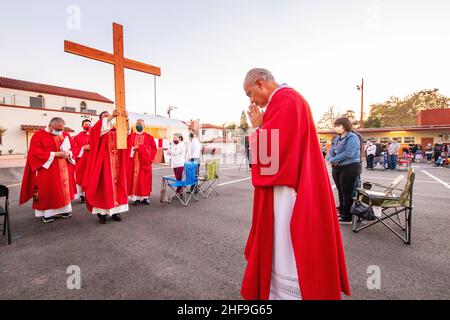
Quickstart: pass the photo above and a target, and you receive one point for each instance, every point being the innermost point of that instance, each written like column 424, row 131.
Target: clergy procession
column 88, row 167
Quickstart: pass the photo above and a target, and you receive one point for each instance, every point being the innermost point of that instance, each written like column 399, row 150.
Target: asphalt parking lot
column 170, row 252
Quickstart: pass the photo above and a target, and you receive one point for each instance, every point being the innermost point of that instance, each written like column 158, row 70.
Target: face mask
column 87, row 129
column 339, row 130
column 139, row 128
column 57, row 132
column 176, row 142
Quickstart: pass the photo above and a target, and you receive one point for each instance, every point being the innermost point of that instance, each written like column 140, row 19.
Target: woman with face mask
column 345, row 159
column 177, row 155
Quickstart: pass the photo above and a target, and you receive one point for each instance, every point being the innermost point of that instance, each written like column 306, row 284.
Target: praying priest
column 105, row 179
column 48, row 178
column 142, row 152
column 294, row 250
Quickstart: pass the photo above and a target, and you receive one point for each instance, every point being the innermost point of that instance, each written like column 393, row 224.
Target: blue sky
column 321, row 48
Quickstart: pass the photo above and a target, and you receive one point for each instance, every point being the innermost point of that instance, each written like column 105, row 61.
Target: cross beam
column 120, row 64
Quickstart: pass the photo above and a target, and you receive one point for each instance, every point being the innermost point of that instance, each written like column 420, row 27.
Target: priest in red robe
column 294, row 250
column 105, row 178
column 49, row 173
column 81, row 149
column 142, row 148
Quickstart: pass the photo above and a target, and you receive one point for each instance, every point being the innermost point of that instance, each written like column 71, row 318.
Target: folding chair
column 209, row 179
column 190, row 180
column 4, row 211
column 367, row 186
column 391, row 206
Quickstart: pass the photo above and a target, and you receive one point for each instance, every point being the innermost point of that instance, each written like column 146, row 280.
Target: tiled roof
column 28, row 127
column 48, row 89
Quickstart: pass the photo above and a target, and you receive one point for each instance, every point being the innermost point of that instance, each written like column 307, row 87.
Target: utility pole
column 361, row 88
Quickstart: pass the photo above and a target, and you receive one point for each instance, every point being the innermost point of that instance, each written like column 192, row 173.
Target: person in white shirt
column 393, row 154
column 371, row 150
column 193, row 154
column 177, row 153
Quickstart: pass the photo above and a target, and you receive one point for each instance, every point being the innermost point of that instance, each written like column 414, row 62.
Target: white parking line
column 14, row 185
column 437, row 179
column 236, row 181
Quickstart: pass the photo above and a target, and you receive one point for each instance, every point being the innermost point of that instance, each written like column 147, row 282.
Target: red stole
column 315, row 230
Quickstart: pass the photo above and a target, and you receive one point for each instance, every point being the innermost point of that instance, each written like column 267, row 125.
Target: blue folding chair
column 190, row 182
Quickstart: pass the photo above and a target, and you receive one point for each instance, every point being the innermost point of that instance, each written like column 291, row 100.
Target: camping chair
column 4, row 211
column 190, row 180
column 209, row 179
column 391, row 206
column 367, row 186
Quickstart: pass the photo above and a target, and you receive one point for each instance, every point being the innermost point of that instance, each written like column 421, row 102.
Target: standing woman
column 177, row 155
column 345, row 159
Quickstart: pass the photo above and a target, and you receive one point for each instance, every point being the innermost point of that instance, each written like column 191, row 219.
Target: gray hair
column 57, row 121
column 258, row 74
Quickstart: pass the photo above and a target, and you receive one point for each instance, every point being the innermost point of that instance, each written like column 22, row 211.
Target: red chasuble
column 79, row 142
column 315, row 230
column 105, row 177
column 140, row 166
column 51, row 188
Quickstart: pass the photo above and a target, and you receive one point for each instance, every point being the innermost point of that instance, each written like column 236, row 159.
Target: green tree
column 397, row 112
column 244, row 123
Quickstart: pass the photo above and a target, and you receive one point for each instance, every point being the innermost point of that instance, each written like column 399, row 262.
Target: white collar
column 284, row 85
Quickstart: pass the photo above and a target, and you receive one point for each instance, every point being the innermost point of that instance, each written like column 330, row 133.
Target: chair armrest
column 170, row 179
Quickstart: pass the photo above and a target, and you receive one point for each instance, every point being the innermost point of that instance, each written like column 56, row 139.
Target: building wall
column 210, row 134
column 12, row 118
column 22, row 98
column 433, row 117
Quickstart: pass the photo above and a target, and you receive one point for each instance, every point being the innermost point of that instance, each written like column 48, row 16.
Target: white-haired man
column 48, row 178
column 294, row 250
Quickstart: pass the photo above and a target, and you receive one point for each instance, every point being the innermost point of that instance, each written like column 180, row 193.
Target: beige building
column 26, row 107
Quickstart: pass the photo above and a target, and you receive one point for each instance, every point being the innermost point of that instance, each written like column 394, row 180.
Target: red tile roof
column 210, row 126
column 48, row 89
column 28, row 127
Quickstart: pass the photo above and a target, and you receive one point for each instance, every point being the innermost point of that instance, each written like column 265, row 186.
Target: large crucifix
column 120, row 64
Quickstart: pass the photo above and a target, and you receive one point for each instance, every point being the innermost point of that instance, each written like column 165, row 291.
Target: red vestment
column 79, row 141
column 315, row 230
column 105, row 177
column 51, row 188
column 140, row 166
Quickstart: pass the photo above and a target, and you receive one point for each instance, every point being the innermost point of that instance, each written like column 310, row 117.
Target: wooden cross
column 120, row 64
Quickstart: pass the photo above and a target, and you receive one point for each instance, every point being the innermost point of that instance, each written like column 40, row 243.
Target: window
column 323, row 141
column 83, row 107
column 373, row 139
column 37, row 102
column 408, row 140
column 385, row 139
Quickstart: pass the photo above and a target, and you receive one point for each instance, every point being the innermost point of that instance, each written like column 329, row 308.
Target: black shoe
column 82, row 199
column 101, row 219
column 64, row 215
column 137, row 202
column 117, row 217
column 47, row 220
column 146, row 202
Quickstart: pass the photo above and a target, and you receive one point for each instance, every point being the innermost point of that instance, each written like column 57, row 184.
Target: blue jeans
column 393, row 162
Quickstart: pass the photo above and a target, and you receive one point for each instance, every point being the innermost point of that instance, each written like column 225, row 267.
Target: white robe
column 284, row 283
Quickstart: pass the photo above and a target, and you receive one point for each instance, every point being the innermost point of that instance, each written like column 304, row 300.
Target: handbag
column 362, row 210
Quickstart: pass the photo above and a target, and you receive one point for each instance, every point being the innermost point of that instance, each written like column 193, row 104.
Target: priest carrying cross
column 294, row 250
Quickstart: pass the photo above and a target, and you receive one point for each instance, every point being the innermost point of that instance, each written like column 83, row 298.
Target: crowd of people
column 90, row 167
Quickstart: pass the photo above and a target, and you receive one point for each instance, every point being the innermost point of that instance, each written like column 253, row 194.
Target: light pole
column 169, row 111
column 361, row 88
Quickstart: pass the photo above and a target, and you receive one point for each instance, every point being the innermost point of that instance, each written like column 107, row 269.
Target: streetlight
column 361, row 88
column 169, row 111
